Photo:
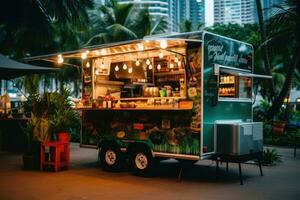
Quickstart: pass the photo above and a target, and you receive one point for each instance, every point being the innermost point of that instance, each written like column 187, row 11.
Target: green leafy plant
column 271, row 157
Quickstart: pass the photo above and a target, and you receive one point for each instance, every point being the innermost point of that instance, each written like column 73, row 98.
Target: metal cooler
column 238, row 138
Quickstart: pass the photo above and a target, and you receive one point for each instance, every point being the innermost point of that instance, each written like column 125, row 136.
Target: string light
column 124, row 66
column 148, row 62
column 160, row 55
column 102, row 66
column 163, row 44
column 88, row 65
column 179, row 63
column 60, row 59
column 171, row 65
column 84, row 55
column 158, row 67
column 137, row 62
column 176, row 59
column 150, row 66
column 130, row 70
column 117, row 68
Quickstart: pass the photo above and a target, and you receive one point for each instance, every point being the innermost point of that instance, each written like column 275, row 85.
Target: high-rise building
column 268, row 7
column 156, row 7
column 192, row 10
column 234, row 11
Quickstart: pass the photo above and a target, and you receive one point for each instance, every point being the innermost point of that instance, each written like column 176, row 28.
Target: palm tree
column 265, row 51
column 118, row 22
column 285, row 41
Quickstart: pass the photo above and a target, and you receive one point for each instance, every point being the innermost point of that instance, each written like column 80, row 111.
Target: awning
column 10, row 69
column 238, row 72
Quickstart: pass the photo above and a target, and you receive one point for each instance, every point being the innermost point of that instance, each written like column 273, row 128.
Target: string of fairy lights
column 138, row 61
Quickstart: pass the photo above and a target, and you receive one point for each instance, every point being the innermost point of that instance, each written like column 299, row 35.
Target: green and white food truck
column 184, row 96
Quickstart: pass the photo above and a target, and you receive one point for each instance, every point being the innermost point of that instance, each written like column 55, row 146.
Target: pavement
column 86, row 180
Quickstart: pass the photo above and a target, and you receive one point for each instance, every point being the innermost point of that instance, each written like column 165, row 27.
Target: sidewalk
column 86, row 180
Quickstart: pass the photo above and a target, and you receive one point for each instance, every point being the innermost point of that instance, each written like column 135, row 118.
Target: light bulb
column 150, row 66
column 158, row 67
column 161, row 55
column 130, row 70
column 102, row 66
column 97, row 72
column 88, row 65
column 137, row 62
column 148, row 61
column 171, row 65
column 179, row 63
column 163, row 44
column 83, row 55
column 124, row 66
column 176, row 59
column 60, row 59
column 117, row 68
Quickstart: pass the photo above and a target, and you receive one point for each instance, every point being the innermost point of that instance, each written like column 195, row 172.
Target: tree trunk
column 287, row 86
column 61, row 85
column 265, row 50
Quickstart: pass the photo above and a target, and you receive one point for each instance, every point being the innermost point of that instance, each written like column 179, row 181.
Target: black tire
column 142, row 162
column 111, row 158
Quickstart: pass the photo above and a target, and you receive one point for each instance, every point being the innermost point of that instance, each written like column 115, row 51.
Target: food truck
column 185, row 96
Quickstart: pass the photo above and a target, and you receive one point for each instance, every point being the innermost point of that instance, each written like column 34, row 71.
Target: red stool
column 55, row 154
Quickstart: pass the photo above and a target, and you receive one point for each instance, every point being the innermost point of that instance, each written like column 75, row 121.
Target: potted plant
column 36, row 131
column 63, row 118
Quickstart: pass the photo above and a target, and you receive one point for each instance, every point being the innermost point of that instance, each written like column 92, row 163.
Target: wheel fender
column 138, row 145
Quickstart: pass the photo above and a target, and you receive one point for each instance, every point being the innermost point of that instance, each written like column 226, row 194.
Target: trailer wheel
column 142, row 162
column 111, row 158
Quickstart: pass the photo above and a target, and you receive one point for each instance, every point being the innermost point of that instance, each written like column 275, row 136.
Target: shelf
column 228, row 83
column 146, row 98
column 179, row 72
column 226, row 95
column 140, row 108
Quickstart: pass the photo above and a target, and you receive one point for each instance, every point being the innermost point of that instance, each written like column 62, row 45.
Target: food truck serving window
column 234, row 84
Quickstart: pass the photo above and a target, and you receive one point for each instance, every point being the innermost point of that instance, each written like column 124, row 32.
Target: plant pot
column 278, row 128
column 63, row 137
column 30, row 162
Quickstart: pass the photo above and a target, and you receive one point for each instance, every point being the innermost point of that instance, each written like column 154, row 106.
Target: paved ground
column 85, row 180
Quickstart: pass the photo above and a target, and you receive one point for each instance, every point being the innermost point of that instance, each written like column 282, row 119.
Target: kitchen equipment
column 238, row 138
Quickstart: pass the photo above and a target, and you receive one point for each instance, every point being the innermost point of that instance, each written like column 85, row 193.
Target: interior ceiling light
column 124, row 66
column 171, row 65
column 176, row 59
column 179, row 63
column 160, row 55
column 97, row 72
column 140, row 46
column 88, row 65
column 83, row 55
column 163, row 44
column 102, row 66
column 60, row 59
column 148, row 62
column 158, row 67
column 137, row 62
column 130, row 70
column 150, row 66
column 117, row 68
